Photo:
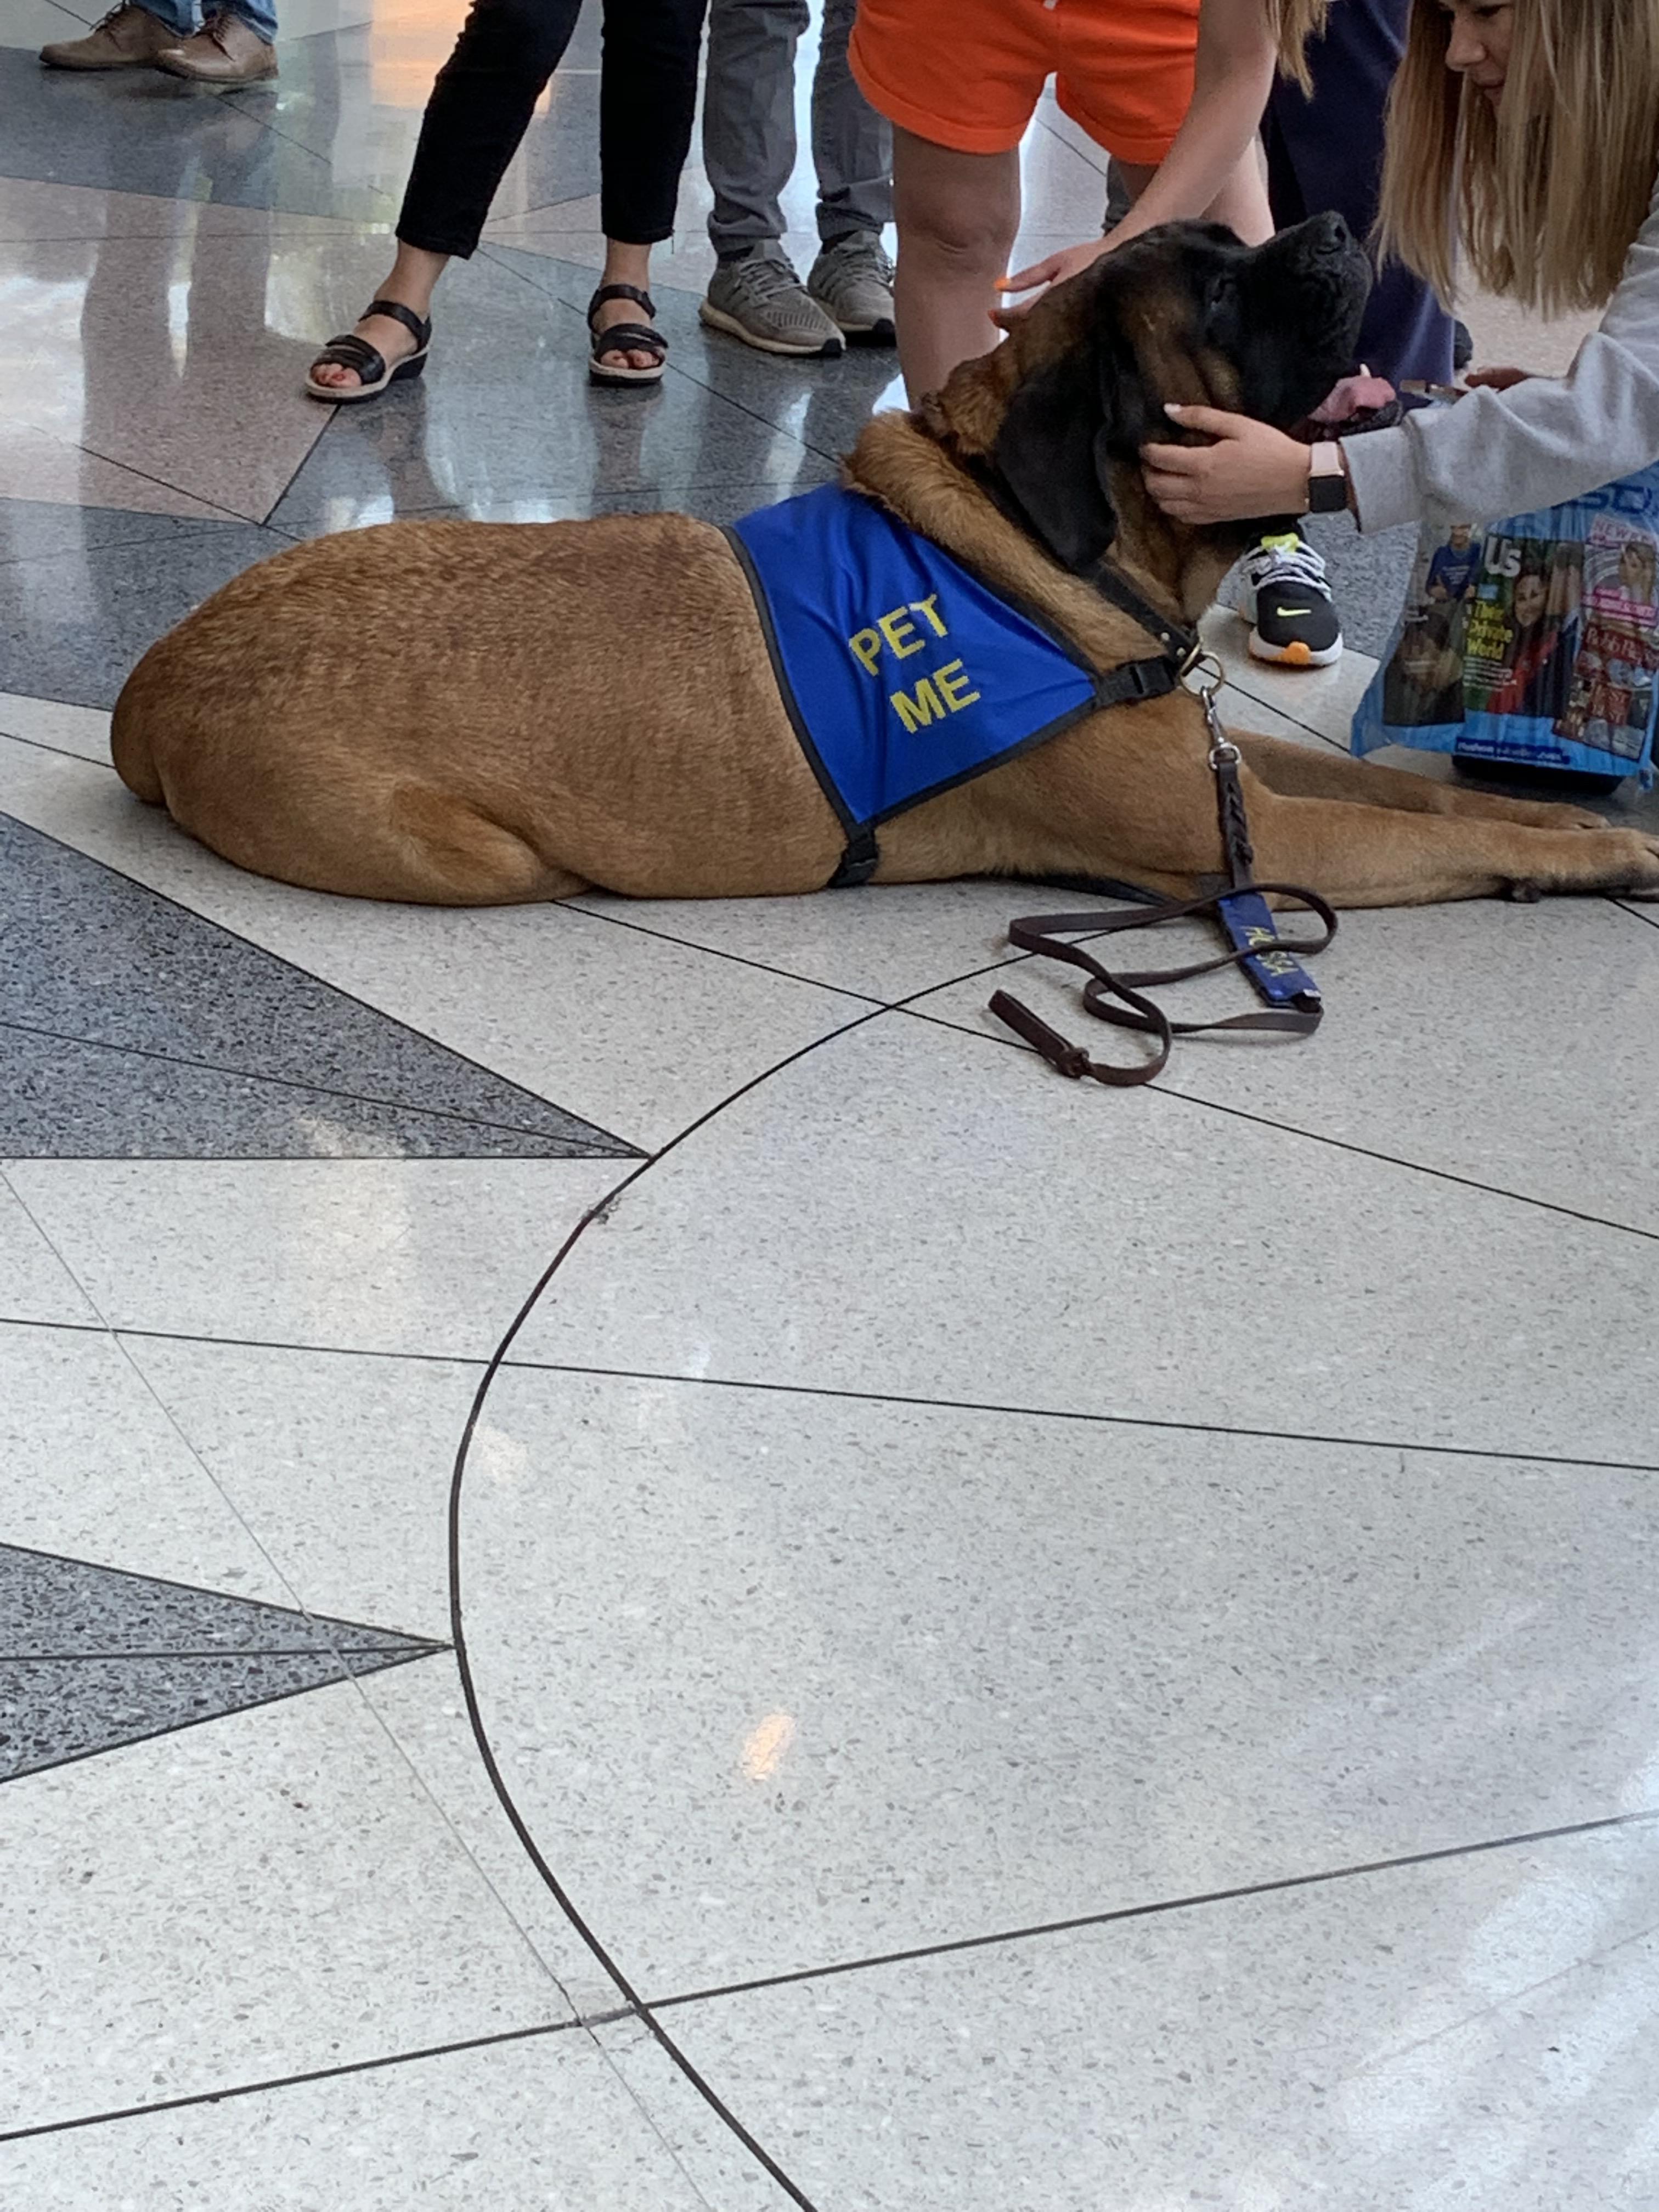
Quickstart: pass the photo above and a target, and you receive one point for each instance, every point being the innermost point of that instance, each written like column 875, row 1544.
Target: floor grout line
column 1160, row 1424
column 1164, row 1089
column 274, row 2083
column 118, row 1331
column 574, row 1150
column 1076, row 1923
column 612, row 2015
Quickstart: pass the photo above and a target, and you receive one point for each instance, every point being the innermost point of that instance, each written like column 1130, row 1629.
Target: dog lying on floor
column 474, row 713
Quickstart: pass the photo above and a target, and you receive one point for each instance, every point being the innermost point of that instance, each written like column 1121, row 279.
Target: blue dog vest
column 902, row 674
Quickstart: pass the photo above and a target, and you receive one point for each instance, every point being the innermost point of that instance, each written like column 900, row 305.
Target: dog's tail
column 131, row 734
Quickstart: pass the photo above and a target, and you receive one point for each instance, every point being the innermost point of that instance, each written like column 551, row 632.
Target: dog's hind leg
column 427, row 847
column 1371, row 856
column 1298, row 771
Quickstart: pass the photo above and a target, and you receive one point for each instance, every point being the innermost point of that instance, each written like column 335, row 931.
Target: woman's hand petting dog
column 1250, row 469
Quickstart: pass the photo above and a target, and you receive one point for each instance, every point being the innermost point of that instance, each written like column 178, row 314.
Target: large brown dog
column 469, row 714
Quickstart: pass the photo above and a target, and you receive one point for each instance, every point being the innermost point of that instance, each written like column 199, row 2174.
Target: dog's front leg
column 1371, row 856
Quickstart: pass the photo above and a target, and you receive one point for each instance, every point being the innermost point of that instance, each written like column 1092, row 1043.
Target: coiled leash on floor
column 1239, row 905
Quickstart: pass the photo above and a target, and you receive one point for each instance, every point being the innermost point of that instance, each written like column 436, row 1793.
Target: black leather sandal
column 625, row 337
column 350, row 351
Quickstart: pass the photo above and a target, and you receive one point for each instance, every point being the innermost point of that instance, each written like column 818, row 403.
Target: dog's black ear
column 1052, row 453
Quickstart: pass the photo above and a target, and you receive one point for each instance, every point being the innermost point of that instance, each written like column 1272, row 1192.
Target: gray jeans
column 749, row 126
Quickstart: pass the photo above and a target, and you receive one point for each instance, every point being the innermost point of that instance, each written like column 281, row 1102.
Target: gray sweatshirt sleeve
column 1549, row 439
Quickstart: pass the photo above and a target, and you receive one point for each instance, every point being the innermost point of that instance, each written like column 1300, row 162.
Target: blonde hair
column 1292, row 23
column 1541, row 199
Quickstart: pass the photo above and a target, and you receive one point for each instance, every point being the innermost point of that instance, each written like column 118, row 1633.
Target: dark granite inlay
column 60, row 1608
column 131, row 1028
column 76, row 614
column 92, row 1657
column 53, row 1710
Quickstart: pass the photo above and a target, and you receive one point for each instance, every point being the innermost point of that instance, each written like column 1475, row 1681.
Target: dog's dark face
column 1185, row 314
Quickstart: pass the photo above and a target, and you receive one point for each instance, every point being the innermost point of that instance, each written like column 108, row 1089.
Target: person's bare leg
column 414, row 275
column 625, row 264
column 956, row 216
column 1241, row 202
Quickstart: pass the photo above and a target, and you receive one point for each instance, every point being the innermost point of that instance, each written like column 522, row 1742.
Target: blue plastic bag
column 1535, row 640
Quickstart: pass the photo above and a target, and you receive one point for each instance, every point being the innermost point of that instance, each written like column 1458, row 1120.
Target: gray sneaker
column 760, row 300
column 853, row 281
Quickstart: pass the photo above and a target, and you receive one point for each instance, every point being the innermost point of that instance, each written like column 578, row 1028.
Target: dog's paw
column 1644, row 849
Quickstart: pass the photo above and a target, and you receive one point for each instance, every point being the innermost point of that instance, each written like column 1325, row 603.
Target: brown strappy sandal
column 625, row 337
column 350, row 351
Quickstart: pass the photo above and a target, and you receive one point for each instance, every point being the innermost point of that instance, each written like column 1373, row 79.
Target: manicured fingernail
column 1175, row 408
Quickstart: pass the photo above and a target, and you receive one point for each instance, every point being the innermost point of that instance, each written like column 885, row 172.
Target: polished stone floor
column 639, row 1570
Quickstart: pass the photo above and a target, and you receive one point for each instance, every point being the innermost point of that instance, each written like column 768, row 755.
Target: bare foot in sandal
column 346, row 366
column 606, row 316
column 622, row 303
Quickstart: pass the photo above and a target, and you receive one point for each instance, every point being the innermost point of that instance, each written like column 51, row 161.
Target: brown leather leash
column 1238, row 904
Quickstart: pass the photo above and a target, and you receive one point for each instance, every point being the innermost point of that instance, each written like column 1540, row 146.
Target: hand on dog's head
column 1185, row 312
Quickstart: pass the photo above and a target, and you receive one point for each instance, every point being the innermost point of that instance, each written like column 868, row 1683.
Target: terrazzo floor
column 639, row 1569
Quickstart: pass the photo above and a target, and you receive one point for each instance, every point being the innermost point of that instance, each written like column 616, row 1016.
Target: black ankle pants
column 481, row 107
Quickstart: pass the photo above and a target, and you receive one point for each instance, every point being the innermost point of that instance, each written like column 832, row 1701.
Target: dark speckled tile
column 71, row 1101
column 52, row 1711
column 715, row 503
column 92, row 1657
column 44, row 530
column 131, row 1028
column 348, row 101
column 56, row 1608
column 824, row 403
column 139, row 131
column 74, row 621
column 504, row 417
column 1368, row 576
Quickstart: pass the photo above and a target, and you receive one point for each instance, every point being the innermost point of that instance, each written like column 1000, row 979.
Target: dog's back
column 473, row 712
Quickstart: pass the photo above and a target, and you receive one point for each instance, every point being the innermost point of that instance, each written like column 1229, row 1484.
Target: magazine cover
column 1535, row 640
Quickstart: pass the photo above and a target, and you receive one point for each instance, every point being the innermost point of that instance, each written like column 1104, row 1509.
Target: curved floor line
column 642, row 2010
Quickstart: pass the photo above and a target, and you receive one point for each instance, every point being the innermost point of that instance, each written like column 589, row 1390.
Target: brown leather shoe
column 227, row 49
column 128, row 38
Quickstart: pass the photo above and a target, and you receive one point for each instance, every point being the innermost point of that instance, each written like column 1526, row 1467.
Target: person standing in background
column 749, row 151
column 1173, row 90
column 233, row 46
column 479, row 111
column 1324, row 147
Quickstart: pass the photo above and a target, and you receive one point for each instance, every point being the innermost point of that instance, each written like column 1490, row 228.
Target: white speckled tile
column 631, row 1031
column 340, row 1463
column 544, row 2123
column 92, row 1467
column 914, row 1675
column 1516, row 1045
column 35, row 1284
column 271, row 1892
column 81, row 731
column 912, row 1212
column 1474, row 2033
column 884, row 942
column 340, row 1468
column 390, row 1255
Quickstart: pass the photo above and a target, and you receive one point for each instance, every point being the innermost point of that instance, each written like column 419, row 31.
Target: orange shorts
column 967, row 74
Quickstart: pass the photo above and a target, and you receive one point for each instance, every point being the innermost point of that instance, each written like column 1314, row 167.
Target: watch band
column 1327, row 479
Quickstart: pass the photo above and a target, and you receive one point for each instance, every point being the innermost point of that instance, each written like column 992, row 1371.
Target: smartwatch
column 1327, row 479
